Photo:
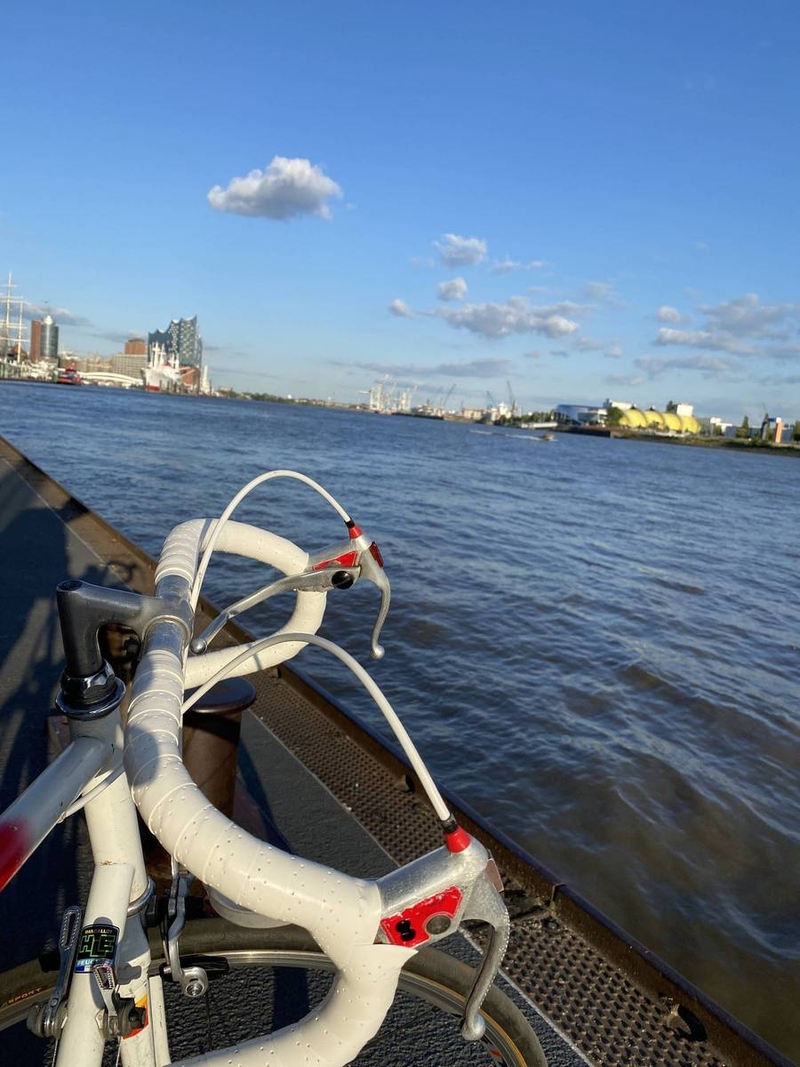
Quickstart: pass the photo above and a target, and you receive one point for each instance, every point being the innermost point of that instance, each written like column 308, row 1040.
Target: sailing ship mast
column 12, row 334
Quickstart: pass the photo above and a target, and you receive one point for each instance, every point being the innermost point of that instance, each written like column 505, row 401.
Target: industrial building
column 659, row 421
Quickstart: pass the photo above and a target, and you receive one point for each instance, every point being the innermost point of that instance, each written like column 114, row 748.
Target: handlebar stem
column 88, row 681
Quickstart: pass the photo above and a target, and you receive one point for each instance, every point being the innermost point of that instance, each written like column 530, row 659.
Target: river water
column 594, row 642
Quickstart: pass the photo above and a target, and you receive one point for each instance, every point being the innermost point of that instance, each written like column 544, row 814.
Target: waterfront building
column 49, row 339
column 669, row 422
column 190, row 378
column 130, row 363
column 180, row 342
column 136, row 346
column 91, row 364
column 580, row 414
column 715, row 426
column 684, row 410
column 773, row 428
column 36, row 341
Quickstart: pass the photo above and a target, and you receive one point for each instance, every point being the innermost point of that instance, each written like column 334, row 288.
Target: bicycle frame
column 369, row 929
column 120, row 888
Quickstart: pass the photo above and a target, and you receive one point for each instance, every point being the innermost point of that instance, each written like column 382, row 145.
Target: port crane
column 512, row 402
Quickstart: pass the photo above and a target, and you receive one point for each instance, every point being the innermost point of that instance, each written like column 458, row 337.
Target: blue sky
column 585, row 200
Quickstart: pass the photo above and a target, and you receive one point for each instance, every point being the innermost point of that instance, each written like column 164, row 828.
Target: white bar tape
column 342, row 913
column 179, row 558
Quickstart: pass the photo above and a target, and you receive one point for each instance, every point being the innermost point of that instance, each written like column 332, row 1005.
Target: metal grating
column 592, row 1001
column 599, row 1008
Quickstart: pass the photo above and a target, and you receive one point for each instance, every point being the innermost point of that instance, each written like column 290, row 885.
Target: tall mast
column 13, row 334
column 7, row 319
column 19, row 334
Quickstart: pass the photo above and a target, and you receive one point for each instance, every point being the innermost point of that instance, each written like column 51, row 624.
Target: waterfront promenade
column 46, row 536
column 369, row 823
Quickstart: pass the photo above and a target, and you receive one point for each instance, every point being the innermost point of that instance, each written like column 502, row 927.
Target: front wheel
column 276, row 976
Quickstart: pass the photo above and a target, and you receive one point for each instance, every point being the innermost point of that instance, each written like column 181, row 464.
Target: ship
column 162, row 374
column 68, row 376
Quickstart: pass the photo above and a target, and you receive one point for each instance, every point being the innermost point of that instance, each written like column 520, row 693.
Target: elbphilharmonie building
column 181, row 339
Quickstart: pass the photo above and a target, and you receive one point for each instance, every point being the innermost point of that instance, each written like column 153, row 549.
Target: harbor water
column 594, row 642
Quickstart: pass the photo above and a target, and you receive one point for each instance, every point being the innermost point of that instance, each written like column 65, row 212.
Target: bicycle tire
column 431, row 994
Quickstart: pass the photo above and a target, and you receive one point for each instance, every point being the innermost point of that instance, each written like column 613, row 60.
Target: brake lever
column 337, row 567
column 364, row 554
column 484, row 904
column 428, row 899
column 370, row 561
column 313, row 581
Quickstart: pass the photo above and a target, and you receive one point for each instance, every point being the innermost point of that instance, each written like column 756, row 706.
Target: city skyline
column 582, row 206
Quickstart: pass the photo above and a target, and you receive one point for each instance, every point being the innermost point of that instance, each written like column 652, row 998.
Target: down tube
column 32, row 816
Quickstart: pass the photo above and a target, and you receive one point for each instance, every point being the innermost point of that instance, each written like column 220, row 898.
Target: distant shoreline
column 750, row 445
column 737, row 444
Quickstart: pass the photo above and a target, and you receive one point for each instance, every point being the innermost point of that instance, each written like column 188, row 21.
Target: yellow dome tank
column 655, row 418
column 650, row 419
column 633, row 419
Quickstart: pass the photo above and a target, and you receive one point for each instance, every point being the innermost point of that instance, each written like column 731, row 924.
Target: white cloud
column 505, row 266
column 476, row 368
column 714, row 341
column 401, row 309
column 743, row 327
column 121, row 336
column 602, row 293
column 60, row 316
column 668, row 314
column 789, row 352
column 746, row 317
column 454, row 289
column 710, row 366
column 625, row 379
column 788, row 379
column 285, row 189
column 516, row 315
column 586, row 344
column 458, row 251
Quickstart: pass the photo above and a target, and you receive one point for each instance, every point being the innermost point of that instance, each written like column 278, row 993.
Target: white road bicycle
column 129, row 968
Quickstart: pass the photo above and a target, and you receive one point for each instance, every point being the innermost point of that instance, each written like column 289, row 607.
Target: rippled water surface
column 595, row 642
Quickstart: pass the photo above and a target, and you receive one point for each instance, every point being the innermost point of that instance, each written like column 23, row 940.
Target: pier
column 333, row 791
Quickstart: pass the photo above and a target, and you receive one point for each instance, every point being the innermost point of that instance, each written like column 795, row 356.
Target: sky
column 565, row 202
